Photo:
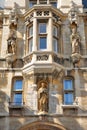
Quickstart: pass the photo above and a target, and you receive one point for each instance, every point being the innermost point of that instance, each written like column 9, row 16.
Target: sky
column 2, row 3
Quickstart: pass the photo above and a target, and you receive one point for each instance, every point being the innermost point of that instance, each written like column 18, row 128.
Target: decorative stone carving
column 72, row 13
column 11, row 42
column 42, row 57
column 56, row 18
column 76, row 59
column 58, row 60
column 43, row 98
column 27, row 59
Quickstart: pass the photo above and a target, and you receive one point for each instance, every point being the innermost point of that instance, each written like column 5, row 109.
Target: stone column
column 48, row 2
column 50, row 38
column 38, row 2
column 34, row 33
column 77, row 87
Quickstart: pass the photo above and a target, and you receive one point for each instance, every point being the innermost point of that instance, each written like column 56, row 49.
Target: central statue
column 43, row 98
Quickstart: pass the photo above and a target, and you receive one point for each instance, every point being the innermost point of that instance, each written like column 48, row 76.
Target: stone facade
column 43, row 65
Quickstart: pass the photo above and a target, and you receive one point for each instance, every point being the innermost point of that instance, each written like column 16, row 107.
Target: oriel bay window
column 30, row 38
column 17, row 92
column 68, row 91
column 42, row 36
column 55, row 38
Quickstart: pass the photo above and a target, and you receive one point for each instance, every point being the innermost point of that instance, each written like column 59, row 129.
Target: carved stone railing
column 27, row 59
column 42, row 57
column 58, row 60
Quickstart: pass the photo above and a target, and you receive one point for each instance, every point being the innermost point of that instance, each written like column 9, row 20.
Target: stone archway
column 42, row 126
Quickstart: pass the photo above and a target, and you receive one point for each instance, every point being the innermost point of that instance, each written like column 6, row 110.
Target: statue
column 75, row 40
column 11, row 41
column 43, row 98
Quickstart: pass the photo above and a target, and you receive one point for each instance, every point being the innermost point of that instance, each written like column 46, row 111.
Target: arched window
column 68, row 89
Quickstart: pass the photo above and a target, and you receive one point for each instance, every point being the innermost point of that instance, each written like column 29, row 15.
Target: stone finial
column 13, row 18
column 72, row 15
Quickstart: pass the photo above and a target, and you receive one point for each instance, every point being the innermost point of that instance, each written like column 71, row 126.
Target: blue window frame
column 68, row 84
column 17, row 91
column 42, row 36
column 84, row 2
column 43, row 43
column 17, row 99
column 68, row 98
column 68, row 91
column 18, row 85
column 42, row 28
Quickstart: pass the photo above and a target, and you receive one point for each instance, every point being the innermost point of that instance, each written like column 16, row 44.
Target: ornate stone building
column 43, row 65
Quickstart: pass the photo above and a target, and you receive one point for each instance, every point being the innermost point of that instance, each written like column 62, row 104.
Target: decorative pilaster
column 50, row 38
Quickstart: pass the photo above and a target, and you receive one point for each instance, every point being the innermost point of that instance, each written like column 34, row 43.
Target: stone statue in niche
column 75, row 40
column 43, row 97
column 11, row 41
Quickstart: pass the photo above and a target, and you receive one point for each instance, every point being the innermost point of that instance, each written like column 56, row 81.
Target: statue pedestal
column 76, row 59
column 10, row 57
column 42, row 113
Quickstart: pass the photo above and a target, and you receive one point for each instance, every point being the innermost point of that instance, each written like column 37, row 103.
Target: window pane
column 54, row 4
column 31, row 31
column 30, row 44
column 68, row 98
column 18, row 84
column 55, row 31
column 17, row 99
column 68, row 85
column 55, row 45
column 43, row 2
column 31, row 3
column 42, row 28
column 84, row 2
column 43, row 42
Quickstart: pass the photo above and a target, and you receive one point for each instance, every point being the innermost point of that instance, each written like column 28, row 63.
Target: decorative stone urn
column 10, row 57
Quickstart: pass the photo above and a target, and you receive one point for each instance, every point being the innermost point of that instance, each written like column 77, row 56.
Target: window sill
column 16, row 106
column 70, row 106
